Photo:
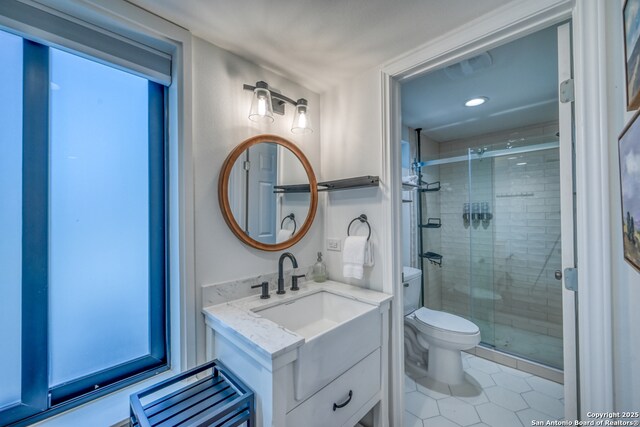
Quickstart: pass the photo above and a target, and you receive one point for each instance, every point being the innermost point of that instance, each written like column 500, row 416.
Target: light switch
column 333, row 244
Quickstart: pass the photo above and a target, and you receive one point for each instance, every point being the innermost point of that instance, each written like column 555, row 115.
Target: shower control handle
column 406, row 285
column 558, row 274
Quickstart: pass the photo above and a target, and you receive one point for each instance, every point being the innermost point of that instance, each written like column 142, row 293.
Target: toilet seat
column 445, row 322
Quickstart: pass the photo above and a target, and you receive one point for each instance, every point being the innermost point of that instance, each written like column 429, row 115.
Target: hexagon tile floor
column 497, row 396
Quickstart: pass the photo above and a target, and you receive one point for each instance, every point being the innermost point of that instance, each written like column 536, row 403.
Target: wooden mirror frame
column 223, row 192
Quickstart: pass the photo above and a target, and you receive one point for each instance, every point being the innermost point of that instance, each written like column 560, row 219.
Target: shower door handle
column 558, row 274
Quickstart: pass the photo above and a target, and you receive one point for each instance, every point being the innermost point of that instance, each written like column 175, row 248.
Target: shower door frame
column 567, row 227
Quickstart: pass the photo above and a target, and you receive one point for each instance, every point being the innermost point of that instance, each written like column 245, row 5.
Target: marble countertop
column 267, row 337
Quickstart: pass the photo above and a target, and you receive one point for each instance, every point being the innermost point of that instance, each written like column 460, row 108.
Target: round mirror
column 268, row 192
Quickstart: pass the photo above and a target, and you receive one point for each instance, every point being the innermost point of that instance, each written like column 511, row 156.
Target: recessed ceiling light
column 474, row 102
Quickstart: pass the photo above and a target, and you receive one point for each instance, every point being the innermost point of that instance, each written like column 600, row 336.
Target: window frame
column 38, row 400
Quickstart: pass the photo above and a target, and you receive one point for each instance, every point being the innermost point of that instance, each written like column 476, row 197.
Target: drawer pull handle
column 342, row 405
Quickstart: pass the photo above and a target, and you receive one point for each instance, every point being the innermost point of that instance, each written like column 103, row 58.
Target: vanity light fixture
column 266, row 101
column 474, row 102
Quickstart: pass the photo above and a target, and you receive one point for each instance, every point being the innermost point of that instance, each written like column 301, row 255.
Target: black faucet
column 289, row 255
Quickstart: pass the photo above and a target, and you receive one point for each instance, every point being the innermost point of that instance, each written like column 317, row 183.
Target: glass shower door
column 527, row 252
column 514, row 233
column 481, row 245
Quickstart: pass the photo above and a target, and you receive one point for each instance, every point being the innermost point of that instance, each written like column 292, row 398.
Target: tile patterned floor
column 496, row 396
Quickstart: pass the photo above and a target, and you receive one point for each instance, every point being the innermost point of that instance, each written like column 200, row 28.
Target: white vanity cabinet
column 316, row 357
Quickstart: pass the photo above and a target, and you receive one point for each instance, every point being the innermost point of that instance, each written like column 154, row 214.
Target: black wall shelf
column 295, row 188
column 335, row 185
column 350, row 183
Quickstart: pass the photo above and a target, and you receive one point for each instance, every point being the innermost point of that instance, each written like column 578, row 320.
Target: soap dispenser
column 319, row 271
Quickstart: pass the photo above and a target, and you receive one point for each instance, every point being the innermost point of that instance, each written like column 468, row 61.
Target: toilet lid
column 445, row 321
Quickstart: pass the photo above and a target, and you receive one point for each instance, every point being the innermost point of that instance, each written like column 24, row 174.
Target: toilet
column 434, row 339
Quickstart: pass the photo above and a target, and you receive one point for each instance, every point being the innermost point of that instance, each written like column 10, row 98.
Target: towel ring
column 361, row 218
column 292, row 217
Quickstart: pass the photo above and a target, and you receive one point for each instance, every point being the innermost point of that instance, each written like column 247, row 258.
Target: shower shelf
column 409, row 187
column 430, row 186
column 433, row 257
column 432, row 223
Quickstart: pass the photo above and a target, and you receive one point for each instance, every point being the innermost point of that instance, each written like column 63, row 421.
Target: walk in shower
column 488, row 242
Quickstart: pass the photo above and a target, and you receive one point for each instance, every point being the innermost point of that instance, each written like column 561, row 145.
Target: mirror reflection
column 269, row 193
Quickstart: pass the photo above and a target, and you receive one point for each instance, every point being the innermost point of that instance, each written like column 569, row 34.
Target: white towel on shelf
column 283, row 235
column 353, row 256
column 410, row 179
column 368, row 254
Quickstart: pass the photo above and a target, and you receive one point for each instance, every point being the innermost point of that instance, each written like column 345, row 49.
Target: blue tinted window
column 99, row 214
column 82, row 230
column 10, row 217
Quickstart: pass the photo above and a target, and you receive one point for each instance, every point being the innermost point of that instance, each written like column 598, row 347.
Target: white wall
column 352, row 146
column 625, row 281
column 220, row 109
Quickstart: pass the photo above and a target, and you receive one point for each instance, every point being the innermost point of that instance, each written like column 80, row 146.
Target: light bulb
column 301, row 122
column 262, row 106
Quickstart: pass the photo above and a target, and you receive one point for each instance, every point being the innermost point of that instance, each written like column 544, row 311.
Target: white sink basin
column 313, row 314
column 339, row 331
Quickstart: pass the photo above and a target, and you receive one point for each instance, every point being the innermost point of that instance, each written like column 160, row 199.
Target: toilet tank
column 411, row 281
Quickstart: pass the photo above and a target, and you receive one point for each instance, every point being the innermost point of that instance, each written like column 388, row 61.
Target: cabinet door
column 341, row 399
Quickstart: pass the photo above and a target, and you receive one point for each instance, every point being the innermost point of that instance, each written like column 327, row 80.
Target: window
column 10, row 217
column 83, row 281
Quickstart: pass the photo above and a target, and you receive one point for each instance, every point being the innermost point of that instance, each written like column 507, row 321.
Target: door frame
column 514, row 20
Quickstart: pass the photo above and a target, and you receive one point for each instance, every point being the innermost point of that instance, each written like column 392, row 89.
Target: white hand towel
column 283, row 235
column 368, row 254
column 353, row 256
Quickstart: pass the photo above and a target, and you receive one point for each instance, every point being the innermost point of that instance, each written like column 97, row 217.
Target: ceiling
column 520, row 81
column 319, row 43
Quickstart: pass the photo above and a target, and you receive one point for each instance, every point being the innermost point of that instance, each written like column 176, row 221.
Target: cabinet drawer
column 362, row 380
